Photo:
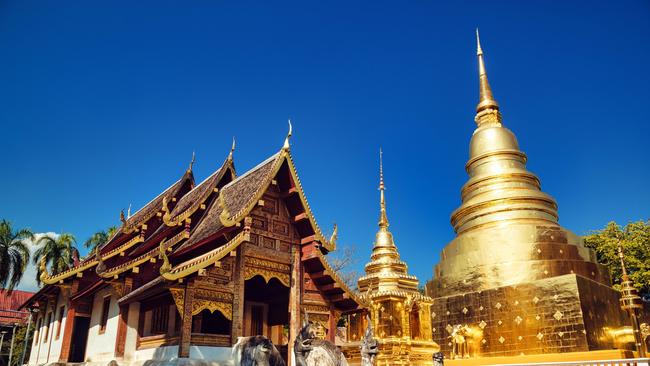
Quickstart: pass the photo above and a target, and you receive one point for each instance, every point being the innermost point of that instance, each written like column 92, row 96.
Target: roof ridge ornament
column 487, row 110
column 189, row 169
column 286, row 140
column 128, row 212
column 232, row 148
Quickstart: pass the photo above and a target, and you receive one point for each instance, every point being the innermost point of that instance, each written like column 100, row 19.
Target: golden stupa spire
column 383, row 218
column 487, row 109
column 486, row 99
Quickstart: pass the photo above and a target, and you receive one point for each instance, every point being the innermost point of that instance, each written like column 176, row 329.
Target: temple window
column 414, row 319
column 159, row 319
column 59, row 321
column 208, row 322
column 104, row 314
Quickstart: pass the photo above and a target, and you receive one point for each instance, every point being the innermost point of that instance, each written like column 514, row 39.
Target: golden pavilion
column 399, row 313
column 513, row 281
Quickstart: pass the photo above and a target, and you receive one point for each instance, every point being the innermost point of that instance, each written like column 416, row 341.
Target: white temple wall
column 101, row 344
column 132, row 331
column 48, row 350
column 58, row 328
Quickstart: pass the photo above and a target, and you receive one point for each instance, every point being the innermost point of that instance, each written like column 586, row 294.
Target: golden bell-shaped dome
column 507, row 228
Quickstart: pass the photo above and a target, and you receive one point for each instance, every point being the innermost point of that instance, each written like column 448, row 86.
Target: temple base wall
column 555, row 315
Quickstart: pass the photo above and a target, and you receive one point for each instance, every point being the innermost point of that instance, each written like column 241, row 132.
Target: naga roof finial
column 232, row 148
column 335, row 235
column 286, row 140
column 128, row 212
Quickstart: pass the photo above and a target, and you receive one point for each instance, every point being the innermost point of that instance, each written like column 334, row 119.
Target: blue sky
column 102, row 104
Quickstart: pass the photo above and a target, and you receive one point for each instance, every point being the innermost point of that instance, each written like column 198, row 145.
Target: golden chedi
column 513, row 281
column 399, row 312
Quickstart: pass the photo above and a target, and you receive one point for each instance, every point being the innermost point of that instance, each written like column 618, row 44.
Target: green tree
column 635, row 241
column 99, row 238
column 14, row 254
column 57, row 252
column 19, row 344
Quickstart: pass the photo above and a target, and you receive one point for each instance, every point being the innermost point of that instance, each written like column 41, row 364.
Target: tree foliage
column 341, row 262
column 14, row 254
column 59, row 253
column 98, row 239
column 635, row 240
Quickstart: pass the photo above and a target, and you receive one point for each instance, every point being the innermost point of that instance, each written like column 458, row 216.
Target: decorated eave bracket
column 177, row 273
column 99, row 259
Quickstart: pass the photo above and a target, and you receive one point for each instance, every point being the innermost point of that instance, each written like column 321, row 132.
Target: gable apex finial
column 286, row 140
column 232, row 148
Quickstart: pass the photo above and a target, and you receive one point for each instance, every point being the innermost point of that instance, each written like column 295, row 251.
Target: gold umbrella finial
column 486, row 99
column 383, row 218
column 621, row 256
column 286, row 140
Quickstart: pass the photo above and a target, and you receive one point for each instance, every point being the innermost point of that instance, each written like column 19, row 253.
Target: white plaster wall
column 132, row 331
column 165, row 353
column 56, row 343
column 47, row 352
column 101, row 347
column 221, row 355
column 33, row 353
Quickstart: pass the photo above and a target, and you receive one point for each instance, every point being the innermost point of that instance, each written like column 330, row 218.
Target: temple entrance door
column 266, row 311
column 79, row 339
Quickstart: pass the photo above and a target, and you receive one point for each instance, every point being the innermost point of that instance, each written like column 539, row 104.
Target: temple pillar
column 294, row 299
column 332, row 322
column 186, row 325
column 238, row 297
column 122, row 321
column 66, row 342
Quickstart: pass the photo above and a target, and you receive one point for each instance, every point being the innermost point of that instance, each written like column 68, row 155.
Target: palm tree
column 57, row 252
column 98, row 239
column 14, row 254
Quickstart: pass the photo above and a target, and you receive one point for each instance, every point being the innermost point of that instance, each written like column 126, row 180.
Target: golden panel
column 544, row 316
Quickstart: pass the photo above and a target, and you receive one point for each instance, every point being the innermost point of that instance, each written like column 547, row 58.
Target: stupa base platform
column 395, row 352
column 560, row 358
column 557, row 315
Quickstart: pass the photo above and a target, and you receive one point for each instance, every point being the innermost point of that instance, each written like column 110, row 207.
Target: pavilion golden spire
column 383, row 218
column 385, row 271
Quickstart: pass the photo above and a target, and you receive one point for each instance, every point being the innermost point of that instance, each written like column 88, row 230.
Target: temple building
column 399, row 313
column 513, row 281
column 195, row 268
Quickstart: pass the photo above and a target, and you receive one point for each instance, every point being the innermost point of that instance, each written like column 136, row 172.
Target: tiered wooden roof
column 187, row 228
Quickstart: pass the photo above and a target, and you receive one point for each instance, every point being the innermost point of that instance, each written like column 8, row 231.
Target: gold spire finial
column 192, row 161
column 286, row 140
column 232, row 148
column 486, row 99
column 622, row 258
column 383, row 218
